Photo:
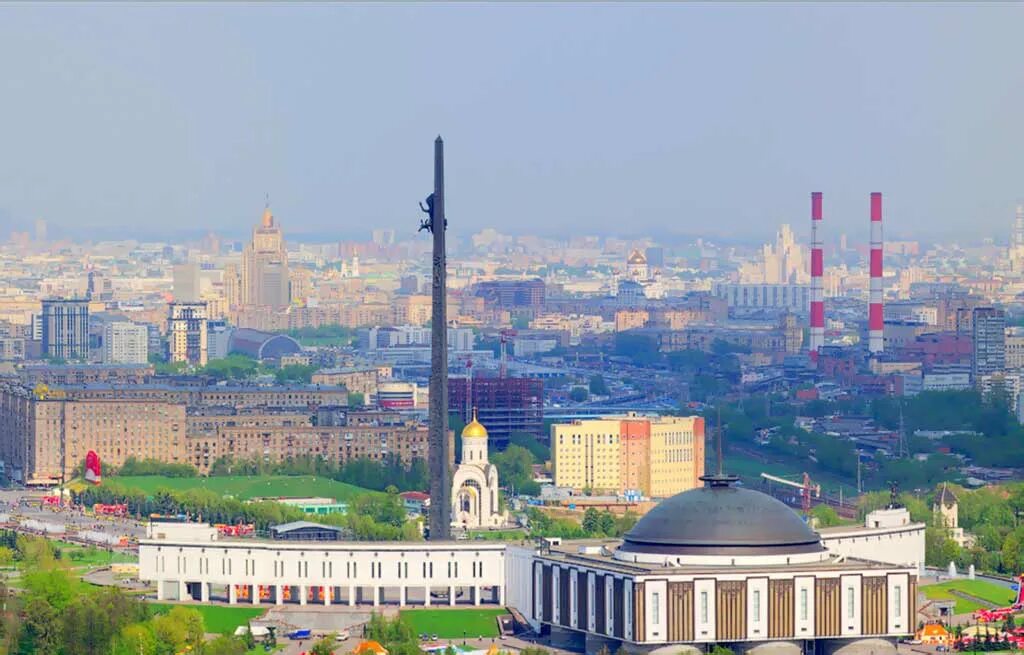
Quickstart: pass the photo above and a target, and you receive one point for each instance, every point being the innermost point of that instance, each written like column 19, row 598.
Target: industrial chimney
column 817, row 291
column 875, row 322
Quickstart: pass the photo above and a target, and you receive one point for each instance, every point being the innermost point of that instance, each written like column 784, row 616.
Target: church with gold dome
column 475, row 489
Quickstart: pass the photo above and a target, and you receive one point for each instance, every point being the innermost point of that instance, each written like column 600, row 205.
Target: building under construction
column 504, row 405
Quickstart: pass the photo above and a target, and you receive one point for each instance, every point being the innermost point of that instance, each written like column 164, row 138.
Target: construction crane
column 506, row 336
column 807, row 488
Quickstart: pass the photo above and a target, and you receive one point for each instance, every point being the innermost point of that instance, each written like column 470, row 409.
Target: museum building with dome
column 723, row 564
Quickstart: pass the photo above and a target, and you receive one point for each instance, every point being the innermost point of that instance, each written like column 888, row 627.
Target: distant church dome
column 637, row 258
column 474, row 429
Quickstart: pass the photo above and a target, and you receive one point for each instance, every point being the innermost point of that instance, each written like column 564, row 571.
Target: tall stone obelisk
column 439, row 456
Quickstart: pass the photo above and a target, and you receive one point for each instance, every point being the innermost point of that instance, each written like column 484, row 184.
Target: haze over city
column 669, row 120
column 511, row 329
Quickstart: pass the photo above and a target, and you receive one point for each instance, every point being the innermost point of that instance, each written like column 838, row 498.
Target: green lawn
column 993, row 593
column 454, row 623
column 218, row 618
column 88, row 556
column 498, row 535
column 246, row 487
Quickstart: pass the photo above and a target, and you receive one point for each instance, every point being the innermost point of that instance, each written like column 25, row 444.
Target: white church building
column 475, row 491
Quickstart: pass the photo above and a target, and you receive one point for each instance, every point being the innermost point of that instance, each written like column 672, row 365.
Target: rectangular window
column 757, row 605
column 803, row 604
column 655, row 608
column 703, row 607
column 897, row 603
column 849, row 603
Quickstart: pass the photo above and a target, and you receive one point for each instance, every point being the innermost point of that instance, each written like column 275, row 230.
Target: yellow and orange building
column 658, row 456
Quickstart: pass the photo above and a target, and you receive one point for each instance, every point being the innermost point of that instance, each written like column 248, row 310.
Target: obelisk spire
column 439, row 453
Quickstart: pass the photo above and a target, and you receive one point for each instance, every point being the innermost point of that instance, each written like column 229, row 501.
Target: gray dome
column 720, row 519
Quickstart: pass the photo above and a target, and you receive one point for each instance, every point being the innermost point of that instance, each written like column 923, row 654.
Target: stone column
column 476, row 595
column 303, row 590
column 426, row 596
column 451, row 595
column 376, row 596
column 160, row 589
column 401, row 597
column 183, row 591
column 351, row 595
column 278, row 595
column 204, row 592
column 254, row 594
column 232, row 595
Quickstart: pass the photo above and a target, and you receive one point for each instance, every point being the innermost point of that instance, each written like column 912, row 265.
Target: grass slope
column 993, row 593
column 246, row 487
column 454, row 623
column 88, row 557
column 218, row 619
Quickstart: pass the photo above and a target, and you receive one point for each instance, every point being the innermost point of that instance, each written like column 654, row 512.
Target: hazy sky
column 579, row 118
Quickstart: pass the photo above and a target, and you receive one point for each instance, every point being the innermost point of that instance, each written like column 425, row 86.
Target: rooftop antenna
column 719, row 479
column 266, row 199
column 903, row 450
column 718, row 425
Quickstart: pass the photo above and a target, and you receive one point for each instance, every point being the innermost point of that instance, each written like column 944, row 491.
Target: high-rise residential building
column 186, row 282
column 512, row 293
column 65, row 328
column 232, row 281
column 187, row 333
column 265, row 279
column 125, row 343
column 41, row 235
column 384, row 237
column 218, row 339
column 99, row 287
column 656, row 456
column 988, row 331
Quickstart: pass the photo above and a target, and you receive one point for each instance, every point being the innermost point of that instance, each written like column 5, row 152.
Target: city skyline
column 718, row 121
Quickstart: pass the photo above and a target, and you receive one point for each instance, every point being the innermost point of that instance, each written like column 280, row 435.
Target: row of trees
column 594, row 524
column 376, row 517
column 237, row 366
column 362, row 472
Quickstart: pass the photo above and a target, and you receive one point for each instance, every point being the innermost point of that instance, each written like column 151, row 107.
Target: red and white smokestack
column 875, row 323
column 817, row 289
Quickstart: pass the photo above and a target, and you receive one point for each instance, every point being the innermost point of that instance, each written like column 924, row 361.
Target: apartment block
column 658, row 456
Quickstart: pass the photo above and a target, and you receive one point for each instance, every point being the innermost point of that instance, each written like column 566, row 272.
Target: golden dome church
column 475, row 483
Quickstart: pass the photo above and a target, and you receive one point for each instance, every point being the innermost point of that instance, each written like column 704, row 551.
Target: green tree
column 136, row 639
column 323, row 647
column 826, row 516
column 515, row 469
column 598, row 387
column 591, row 521
column 40, row 630
column 578, row 394
column 227, row 645
column 606, row 524
column 356, row 399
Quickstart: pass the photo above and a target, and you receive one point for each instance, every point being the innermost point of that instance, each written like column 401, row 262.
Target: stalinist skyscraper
column 265, row 266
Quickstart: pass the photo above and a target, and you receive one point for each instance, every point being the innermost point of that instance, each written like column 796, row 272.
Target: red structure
column 817, row 336
column 92, row 467
column 875, row 321
column 110, row 510
column 504, row 405
column 999, row 614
